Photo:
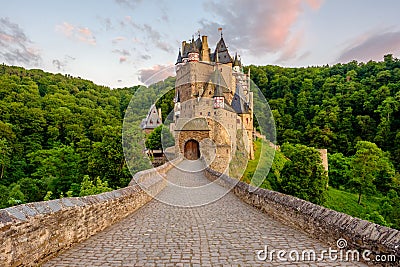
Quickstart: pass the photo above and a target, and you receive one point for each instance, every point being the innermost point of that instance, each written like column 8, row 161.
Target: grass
column 252, row 164
column 346, row 202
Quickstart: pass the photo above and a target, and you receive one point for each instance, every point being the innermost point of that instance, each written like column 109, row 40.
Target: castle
column 213, row 113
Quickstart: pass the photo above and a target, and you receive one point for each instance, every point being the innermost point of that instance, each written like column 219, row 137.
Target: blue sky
column 123, row 42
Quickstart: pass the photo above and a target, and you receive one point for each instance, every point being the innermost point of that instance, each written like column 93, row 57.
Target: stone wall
column 319, row 222
column 31, row 233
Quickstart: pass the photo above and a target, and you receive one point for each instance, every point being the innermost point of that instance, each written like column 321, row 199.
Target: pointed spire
column 177, row 98
column 179, row 60
column 218, row 91
column 236, row 61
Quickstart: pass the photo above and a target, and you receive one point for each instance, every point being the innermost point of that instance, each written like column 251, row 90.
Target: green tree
column 89, row 187
column 339, row 170
column 153, row 140
column 303, row 175
column 364, row 167
column 5, row 153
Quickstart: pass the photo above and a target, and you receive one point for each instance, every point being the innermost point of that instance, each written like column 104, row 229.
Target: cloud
column 82, row 34
column 62, row 64
column 156, row 73
column 118, row 39
column 145, row 57
column 128, row 3
column 259, row 26
column 289, row 51
column 154, row 37
column 58, row 64
column 122, row 52
column 315, row 4
column 15, row 46
column 106, row 23
column 123, row 55
column 372, row 47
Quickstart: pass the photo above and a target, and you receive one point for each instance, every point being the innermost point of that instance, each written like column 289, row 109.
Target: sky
column 121, row 43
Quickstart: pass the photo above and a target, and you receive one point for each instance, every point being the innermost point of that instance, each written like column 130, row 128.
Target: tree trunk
column 359, row 198
column 2, row 172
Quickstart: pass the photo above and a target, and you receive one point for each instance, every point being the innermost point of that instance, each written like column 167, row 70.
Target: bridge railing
column 31, row 233
column 321, row 223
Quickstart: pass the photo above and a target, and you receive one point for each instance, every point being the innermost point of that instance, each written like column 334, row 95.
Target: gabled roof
column 216, row 78
column 152, row 120
column 221, row 51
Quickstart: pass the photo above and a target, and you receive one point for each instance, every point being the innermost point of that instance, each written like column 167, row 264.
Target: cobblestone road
column 226, row 232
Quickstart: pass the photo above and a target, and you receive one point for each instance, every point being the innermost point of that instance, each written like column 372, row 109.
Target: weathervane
column 220, row 30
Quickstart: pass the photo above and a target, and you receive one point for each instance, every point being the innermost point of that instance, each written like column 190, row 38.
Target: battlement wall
column 31, row 233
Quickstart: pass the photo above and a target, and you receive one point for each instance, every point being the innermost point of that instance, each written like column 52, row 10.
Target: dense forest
column 55, row 130
column 353, row 110
column 61, row 136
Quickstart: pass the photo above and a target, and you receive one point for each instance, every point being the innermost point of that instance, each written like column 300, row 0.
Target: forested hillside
column 351, row 109
column 54, row 130
column 333, row 107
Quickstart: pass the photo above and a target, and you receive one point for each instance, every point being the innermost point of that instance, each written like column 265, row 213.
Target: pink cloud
column 82, row 34
column 291, row 47
column 66, row 29
column 315, row 4
column 372, row 46
column 268, row 27
column 156, row 73
column 118, row 39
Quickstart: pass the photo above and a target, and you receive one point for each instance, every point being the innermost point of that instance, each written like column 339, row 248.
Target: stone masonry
column 226, row 232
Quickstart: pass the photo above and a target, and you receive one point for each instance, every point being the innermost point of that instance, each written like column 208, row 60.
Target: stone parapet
column 321, row 223
column 33, row 232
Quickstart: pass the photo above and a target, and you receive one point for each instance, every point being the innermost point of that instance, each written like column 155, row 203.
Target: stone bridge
column 126, row 227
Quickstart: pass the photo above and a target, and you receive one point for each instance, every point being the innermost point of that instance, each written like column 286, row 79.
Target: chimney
column 183, row 47
column 205, row 51
column 159, row 113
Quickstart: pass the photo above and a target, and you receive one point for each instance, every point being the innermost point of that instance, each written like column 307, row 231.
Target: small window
column 209, row 113
column 201, row 113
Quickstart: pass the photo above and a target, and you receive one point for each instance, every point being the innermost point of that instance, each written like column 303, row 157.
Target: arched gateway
column 192, row 150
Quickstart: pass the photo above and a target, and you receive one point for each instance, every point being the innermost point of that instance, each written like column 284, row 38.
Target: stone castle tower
column 213, row 114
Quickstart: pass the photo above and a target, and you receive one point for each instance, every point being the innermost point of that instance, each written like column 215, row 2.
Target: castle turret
column 237, row 65
column 193, row 54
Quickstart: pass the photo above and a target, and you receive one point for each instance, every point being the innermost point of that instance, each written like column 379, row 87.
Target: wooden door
column 192, row 151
